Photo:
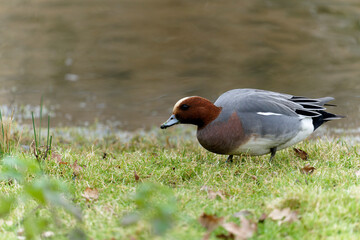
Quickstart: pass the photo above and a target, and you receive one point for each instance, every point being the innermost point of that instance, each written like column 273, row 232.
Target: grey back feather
column 254, row 100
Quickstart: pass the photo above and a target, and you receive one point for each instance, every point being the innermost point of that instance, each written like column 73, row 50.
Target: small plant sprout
column 41, row 152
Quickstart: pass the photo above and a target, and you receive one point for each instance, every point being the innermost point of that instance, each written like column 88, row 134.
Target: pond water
column 128, row 61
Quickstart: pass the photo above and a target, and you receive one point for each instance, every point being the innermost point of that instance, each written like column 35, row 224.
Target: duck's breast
column 222, row 136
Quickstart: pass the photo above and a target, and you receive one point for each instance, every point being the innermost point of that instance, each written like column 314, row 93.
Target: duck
column 251, row 121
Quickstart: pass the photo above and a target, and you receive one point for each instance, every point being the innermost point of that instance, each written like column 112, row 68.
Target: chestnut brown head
column 193, row 110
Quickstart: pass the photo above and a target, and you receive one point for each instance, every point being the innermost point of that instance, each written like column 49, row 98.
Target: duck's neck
column 208, row 114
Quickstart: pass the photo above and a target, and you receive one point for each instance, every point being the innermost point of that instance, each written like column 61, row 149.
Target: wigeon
column 251, row 121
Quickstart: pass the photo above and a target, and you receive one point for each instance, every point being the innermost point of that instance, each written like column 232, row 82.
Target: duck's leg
column 272, row 151
column 229, row 159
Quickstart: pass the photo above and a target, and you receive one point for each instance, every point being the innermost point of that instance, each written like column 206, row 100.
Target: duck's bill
column 170, row 122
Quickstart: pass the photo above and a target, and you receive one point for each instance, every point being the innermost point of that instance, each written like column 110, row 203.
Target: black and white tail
column 315, row 109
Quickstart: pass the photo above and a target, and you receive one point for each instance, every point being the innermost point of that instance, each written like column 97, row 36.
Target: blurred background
column 127, row 62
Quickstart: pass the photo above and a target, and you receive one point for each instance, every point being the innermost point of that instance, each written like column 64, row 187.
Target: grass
column 327, row 201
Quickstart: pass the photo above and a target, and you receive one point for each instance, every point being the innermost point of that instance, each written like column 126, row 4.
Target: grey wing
column 254, row 100
column 269, row 114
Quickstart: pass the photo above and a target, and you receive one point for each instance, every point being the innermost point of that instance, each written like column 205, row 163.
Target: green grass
column 328, row 201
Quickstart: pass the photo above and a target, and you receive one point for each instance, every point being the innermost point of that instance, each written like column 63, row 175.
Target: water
column 128, row 61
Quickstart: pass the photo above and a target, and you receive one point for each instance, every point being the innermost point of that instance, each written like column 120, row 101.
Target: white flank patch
column 262, row 145
column 269, row 114
column 255, row 146
column 306, row 129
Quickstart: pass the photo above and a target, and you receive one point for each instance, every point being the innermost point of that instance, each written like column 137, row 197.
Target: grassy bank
column 108, row 178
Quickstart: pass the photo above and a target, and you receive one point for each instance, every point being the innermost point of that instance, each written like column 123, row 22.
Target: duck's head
column 193, row 110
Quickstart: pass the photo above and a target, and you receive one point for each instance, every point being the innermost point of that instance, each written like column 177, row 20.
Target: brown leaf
column 262, row 217
column 137, row 178
column 284, row 215
column 91, row 194
column 212, row 194
column 242, row 213
column 56, row 157
column 301, row 153
column 292, row 217
column 210, row 222
column 76, row 168
column 33, row 147
column 229, row 236
column 307, row 169
column 278, row 214
column 243, row 232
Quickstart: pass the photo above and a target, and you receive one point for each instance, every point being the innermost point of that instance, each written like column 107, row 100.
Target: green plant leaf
column 77, row 234
column 22, row 165
column 60, row 201
column 34, row 226
column 156, row 204
column 6, row 203
column 37, row 192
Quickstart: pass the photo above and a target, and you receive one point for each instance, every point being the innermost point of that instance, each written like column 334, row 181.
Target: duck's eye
column 184, row 107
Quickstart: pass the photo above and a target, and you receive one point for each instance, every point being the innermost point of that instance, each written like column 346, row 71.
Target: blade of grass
column 33, row 121
column 50, row 143
column 41, row 107
column 8, row 133
column 48, row 132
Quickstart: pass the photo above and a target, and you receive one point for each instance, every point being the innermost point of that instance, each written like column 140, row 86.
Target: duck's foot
column 229, row 159
column 273, row 152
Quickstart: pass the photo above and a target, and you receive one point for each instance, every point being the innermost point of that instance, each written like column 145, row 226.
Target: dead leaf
column 243, row 232
column 229, row 236
column 137, row 178
column 301, row 153
column 210, row 222
column 56, row 157
column 307, row 169
column 292, row 217
column 242, row 213
column 76, row 168
column 262, row 218
column 33, row 146
column 284, row 215
column 91, row 194
column 278, row 214
column 212, row 194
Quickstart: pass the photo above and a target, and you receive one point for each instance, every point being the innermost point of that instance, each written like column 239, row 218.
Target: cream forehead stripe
column 179, row 102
